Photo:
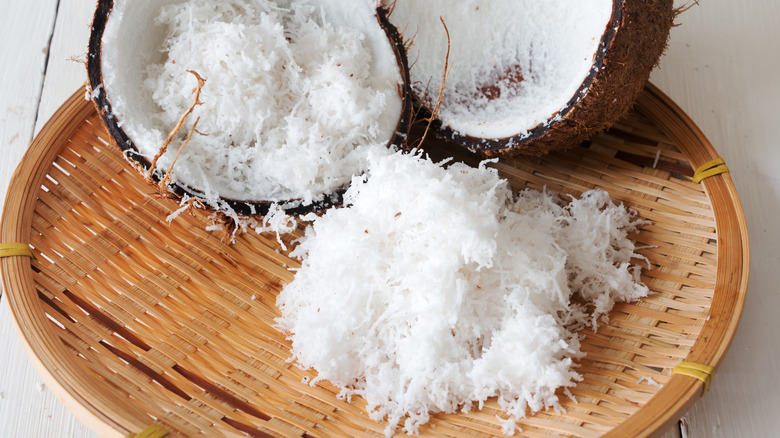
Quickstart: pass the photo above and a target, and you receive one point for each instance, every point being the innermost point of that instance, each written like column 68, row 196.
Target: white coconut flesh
column 515, row 64
column 296, row 91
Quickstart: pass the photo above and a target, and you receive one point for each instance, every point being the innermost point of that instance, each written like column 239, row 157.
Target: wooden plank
column 27, row 407
column 25, row 32
column 64, row 75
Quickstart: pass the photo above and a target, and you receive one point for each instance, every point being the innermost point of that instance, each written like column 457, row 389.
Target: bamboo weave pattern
column 169, row 323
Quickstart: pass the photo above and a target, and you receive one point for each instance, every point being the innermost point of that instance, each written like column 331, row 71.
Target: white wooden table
column 722, row 67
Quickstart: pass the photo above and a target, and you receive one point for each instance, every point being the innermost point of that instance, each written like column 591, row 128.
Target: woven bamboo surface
column 132, row 320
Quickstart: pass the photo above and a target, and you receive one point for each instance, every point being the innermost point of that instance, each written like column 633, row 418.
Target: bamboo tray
column 132, row 320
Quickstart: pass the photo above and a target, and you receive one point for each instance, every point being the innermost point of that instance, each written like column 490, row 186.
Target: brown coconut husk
column 179, row 191
column 634, row 41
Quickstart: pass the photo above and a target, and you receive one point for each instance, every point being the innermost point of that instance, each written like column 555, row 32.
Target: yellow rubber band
column 16, row 249
column 152, row 431
column 697, row 371
column 708, row 169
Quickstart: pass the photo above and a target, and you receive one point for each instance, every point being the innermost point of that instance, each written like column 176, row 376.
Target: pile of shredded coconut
column 436, row 288
column 296, row 92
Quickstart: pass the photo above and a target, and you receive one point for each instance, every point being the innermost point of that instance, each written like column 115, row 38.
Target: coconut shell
column 634, row 41
column 244, row 207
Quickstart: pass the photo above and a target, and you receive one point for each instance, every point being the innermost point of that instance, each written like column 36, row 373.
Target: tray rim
column 669, row 403
column 18, row 207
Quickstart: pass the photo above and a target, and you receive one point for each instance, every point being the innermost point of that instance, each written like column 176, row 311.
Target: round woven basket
column 133, row 320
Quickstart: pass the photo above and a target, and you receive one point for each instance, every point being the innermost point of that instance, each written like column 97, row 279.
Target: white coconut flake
column 508, row 426
column 435, row 289
column 96, row 92
column 649, row 381
column 514, row 64
column 184, row 205
column 657, row 158
column 296, row 91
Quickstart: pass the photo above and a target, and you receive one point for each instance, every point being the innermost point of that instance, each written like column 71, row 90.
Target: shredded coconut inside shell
column 437, row 288
column 296, row 91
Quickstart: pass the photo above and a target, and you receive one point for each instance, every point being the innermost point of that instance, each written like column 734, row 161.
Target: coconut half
column 530, row 76
column 296, row 94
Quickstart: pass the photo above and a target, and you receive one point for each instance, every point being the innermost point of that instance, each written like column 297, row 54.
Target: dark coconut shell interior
column 243, row 207
column 630, row 47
